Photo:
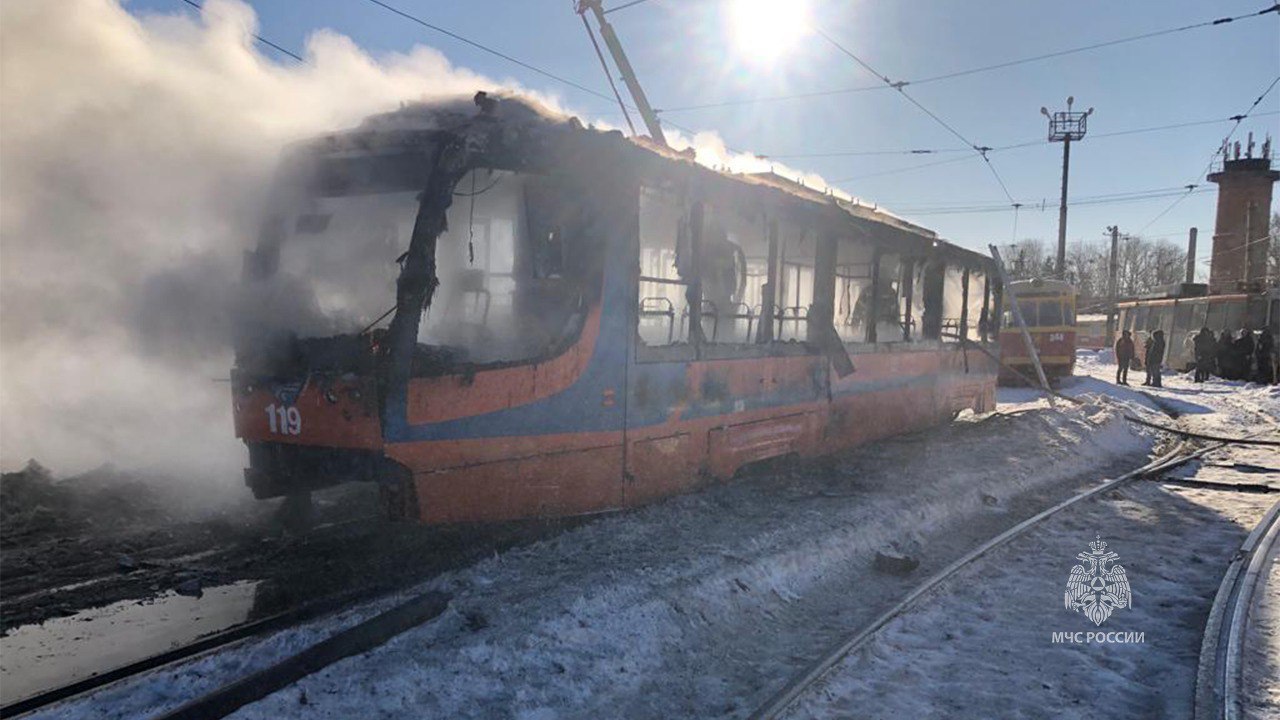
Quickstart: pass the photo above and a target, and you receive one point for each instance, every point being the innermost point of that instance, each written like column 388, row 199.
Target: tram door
column 659, row 452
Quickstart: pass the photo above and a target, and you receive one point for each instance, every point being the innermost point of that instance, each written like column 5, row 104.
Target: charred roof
column 518, row 133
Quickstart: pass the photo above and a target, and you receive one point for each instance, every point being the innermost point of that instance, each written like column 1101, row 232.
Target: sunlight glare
column 764, row 30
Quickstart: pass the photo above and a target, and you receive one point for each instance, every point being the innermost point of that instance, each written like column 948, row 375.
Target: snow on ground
column 1214, row 405
column 995, row 622
column 700, row 606
column 982, row 646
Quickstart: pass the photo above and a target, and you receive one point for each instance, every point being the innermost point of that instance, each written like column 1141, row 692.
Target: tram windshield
column 508, row 290
column 1052, row 312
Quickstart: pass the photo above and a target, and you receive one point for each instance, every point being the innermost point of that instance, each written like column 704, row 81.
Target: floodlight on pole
column 1064, row 127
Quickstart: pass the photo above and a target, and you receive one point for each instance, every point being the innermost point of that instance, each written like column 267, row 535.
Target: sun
column 764, row 30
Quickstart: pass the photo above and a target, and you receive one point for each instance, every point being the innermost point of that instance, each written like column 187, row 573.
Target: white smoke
column 134, row 155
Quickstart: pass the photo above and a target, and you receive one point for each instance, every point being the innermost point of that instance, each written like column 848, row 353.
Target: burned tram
column 498, row 314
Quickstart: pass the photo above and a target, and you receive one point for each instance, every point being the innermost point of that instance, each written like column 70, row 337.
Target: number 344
column 284, row 420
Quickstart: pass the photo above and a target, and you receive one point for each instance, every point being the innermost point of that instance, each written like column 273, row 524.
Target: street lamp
column 1065, row 127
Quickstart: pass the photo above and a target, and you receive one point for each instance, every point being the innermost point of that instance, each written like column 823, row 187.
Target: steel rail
column 784, row 698
column 206, row 644
column 1220, row 674
column 359, row 638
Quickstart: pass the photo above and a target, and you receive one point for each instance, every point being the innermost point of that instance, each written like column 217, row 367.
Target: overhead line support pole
column 1065, row 127
column 1112, row 274
column 1061, row 266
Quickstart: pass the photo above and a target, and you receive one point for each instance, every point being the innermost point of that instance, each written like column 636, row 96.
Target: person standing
column 1153, row 358
column 1226, row 369
column 1206, row 351
column 1124, row 357
column 1244, row 354
column 1266, row 357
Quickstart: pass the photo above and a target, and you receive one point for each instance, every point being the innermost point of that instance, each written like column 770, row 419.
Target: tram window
column 953, row 301
column 918, row 305
column 1235, row 315
column 1029, row 314
column 1199, row 314
column 663, row 302
column 977, row 283
column 1182, row 317
column 795, row 297
column 1050, row 313
column 1140, row 318
column 1158, row 318
column 347, row 241
column 338, row 262
column 1257, row 314
column 734, row 267
column 506, row 290
column 853, row 291
column 1217, row 316
column 889, row 306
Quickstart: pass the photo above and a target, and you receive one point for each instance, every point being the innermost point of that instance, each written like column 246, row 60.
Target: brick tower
column 1241, row 233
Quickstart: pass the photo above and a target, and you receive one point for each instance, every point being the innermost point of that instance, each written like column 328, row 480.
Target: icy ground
column 700, row 606
column 1262, row 647
column 983, row 645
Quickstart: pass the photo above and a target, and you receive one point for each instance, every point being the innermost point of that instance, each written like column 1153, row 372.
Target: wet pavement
column 38, row 657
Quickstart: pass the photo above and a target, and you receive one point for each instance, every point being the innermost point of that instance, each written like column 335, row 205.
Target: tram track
column 460, row 549
column 785, row 698
column 288, row 667
column 1220, row 664
column 1220, row 676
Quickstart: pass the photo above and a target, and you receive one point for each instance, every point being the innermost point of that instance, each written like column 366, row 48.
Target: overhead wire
column 899, row 86
column 1275, row 8
column 1119, row 198
column 1001, row 148
column 887, row 82
column 492, row 51
column 624, row 6
column 1239, row 119
column 257, row 37
column 1046, row 202
column 521, row 63
column 909, row 168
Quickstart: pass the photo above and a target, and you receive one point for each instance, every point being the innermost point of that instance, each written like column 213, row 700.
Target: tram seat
column 469, row 286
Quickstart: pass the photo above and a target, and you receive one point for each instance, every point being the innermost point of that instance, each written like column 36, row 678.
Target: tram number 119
column 284, row 420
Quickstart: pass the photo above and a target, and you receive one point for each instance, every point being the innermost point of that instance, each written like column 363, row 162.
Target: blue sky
column 684, row 54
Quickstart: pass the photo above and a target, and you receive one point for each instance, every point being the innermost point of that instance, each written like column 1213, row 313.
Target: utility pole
column 1111, row 284
column 624, row 66
column 1065, row 127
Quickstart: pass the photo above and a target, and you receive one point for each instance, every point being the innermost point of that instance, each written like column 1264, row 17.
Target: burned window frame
column 775, row 218
column 419, row 157
column 911, row 250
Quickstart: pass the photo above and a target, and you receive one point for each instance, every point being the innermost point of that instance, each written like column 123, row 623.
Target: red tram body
column 1048, row 308
column 560, row 370
column 1182, row 316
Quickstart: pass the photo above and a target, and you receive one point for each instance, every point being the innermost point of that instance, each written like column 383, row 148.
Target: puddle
column 35, row 658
